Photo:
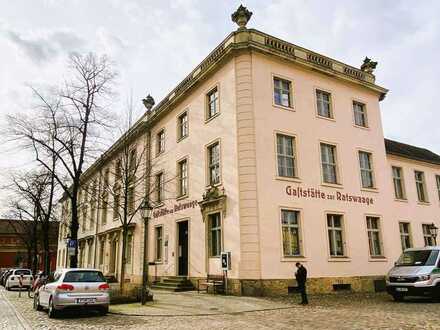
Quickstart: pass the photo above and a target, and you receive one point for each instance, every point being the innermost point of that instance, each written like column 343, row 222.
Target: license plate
column 402, row 289
column 85, row 300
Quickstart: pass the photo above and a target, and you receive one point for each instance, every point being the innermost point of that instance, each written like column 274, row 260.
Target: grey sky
column 156, row 43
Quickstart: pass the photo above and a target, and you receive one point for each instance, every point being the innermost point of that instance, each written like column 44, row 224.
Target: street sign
column 226, row 260
column 71, row 246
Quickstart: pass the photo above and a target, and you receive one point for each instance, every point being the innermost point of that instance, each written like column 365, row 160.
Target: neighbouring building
column 276, row 154
column 16, row 248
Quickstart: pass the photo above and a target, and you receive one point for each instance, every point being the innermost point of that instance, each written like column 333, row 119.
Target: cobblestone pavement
column 339, row 311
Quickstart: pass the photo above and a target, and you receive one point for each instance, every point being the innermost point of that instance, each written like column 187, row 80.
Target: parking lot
column 337, row 311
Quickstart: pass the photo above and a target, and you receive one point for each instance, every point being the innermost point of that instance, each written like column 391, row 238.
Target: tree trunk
column 124, row 260
column 46, row 261
column 35, row 250
column 74, row 225
column 29, row 257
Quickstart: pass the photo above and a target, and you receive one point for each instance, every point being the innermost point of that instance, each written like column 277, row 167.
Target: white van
column 416, row 273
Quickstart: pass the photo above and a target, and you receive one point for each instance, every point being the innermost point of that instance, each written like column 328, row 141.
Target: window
column 89, row 253
column 93, row 203
column 291, row 235
column 421, row 186
column 160, row 187
column 129, row 248
column 281, row 92
column 360, row 114
column 328, row 161
column 427, row 237
column 182, row 178
column 215, row 235
column 335, row 235
column 405, row 235
column 212, row 103
column 437, row 179
column 214, row 163
column 160, row 142
column 101, row 252
column 182, row 126
column 374, row 237
column 159, row 240
column 105, row 193
column 84, row 218
column 132, row 166
column 399, row 190
column 366, row 166
column 323, row 104
column 116, row 201
column 130, row 199
column 286, row 156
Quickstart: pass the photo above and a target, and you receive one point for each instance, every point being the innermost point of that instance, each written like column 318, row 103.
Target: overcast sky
column 155, row 44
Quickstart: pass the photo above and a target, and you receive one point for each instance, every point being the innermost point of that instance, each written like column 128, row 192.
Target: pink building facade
column 275, row 154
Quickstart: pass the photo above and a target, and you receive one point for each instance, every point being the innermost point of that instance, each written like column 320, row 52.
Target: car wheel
column 37, row 305
column 103, row 311
column 398, row 297
column 52, row 312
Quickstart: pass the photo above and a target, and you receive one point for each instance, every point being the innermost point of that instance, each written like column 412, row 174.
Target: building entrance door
column 182, row 248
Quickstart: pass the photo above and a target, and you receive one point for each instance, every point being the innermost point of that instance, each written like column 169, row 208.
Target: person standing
column 301, row 278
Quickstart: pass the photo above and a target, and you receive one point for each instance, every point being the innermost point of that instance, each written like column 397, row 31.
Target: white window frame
column 399, row 179
column 428, row 240
column 182, row 180
column 160, row 142
column 296, row 226
column 421, row 184
column 320, row 101
column 374, row 234
column 282, row 91
column 328, row 163
column 211, row 166
column 182, row 125
column 332, row 247
column 286, row 156
column 158, row 238
column 216, row 101
column 404, row 235
column 437, row 180
column 160, row 187
column 367, row 170
column 219, row 235
column 363, row 113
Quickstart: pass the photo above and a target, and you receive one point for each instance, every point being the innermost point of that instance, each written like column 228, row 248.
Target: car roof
column 77, row 269
column 437, row 247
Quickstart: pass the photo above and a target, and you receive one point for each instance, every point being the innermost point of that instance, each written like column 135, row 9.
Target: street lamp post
column 433, row 230
column 146, row 211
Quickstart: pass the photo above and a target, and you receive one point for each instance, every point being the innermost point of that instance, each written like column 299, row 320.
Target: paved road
column 338, row 311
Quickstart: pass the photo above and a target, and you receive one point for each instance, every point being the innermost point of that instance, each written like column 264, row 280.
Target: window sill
column 367, row 128
column 182, row 197
column 157, row 262
column 326, row 118
column 207, row 120
column 289, row 179
column 216, row 185
column 400, row 200
column 377, row 259
column 293, row 259
column 159, row 204
column 424, row 203
column 283, row 107
column 160, row 153
column 214, row 257
column 339, row 259
column 373, row 190
column 182, row 138
column 332, row 185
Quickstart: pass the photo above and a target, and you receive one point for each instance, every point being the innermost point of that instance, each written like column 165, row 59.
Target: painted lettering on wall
column 176, row 208
column 312, row 193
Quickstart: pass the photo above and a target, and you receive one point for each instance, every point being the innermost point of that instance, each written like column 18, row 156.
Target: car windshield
column 418, row 258
column 22, row 272
column 83, row 276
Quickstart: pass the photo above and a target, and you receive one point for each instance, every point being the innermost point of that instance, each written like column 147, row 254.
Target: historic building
column 276, row 154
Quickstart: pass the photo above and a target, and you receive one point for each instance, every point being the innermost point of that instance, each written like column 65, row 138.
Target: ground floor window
column 101, row 252
column 427, row 237
column 405, row 235
column 291, row 235
column 374, row 237
column 128, row 248
column 159, row 240
column 335, row 235
column 214, row 235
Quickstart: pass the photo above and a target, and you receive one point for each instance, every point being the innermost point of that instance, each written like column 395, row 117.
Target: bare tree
column 67, row 127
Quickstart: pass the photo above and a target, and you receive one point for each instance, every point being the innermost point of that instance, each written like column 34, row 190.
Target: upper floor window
column 182, row 178
column 374, row 236
column 437, row 179
column 214, row 163
column 329, row 163
column 405, row 235
column 212, row 103
column 421, row 186
column 427, row 237
column 360, row 114
column 286, row 156
column 291, row 234
column 366, row 166
column 323, row 104
column 182, row 125
column 160, row 187
column 282, row 90
column 160, row 138
column 336, row 235
column 399, row 189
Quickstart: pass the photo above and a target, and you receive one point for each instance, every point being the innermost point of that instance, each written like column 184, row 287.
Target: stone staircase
column 174, row 283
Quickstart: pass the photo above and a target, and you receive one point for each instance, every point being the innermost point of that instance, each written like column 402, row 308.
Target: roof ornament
column 148, row 102
column 241, row 16
column 368, row 65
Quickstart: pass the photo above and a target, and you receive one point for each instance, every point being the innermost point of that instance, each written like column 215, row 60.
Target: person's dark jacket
column 301, row 275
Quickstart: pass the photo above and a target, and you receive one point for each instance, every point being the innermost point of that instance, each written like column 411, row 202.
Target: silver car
column 416, row 273
column 71, row 289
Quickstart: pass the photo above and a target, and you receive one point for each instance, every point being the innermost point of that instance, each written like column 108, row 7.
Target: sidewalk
column 193, row 303
column 10, row 318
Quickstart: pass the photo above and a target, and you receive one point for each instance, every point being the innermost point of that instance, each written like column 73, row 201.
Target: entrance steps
column 174, row 283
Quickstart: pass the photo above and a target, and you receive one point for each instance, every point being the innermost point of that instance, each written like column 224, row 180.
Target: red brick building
column 14, row 247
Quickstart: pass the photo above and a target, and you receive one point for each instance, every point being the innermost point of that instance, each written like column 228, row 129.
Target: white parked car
column 72, row 289
column 13, row 281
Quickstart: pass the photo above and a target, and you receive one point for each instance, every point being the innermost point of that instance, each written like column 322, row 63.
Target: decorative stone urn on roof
column 368, row 66
column 241, row 16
